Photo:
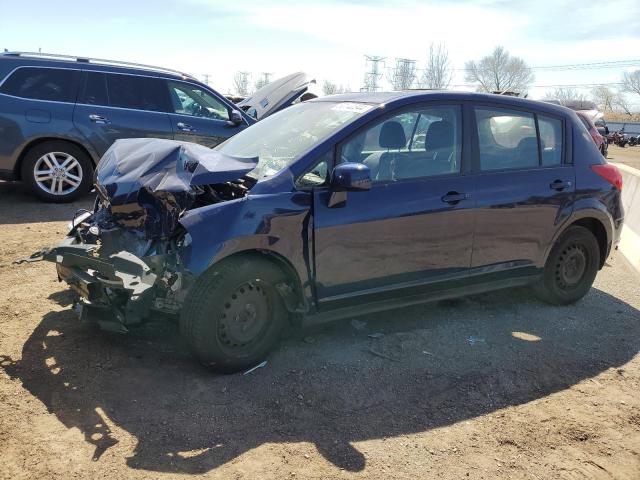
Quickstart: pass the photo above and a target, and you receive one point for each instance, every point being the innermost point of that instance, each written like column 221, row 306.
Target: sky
column 329, row 39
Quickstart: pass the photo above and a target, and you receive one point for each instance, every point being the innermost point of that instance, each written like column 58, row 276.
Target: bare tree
column 622, row 102
column 564, row 95
column 631, row 82
column 604, row 97
column 403, row 75
column 437, row 73
column 330, row 88
column 265, row 79
column 500, row 72
column 241, row 83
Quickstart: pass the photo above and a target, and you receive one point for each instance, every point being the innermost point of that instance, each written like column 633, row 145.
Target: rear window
column 139, row 93
column 54, row 84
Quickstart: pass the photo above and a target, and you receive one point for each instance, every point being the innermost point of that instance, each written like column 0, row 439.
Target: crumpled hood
column 147, row 183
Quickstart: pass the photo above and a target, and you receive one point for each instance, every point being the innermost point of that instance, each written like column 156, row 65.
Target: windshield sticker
column 352, row 107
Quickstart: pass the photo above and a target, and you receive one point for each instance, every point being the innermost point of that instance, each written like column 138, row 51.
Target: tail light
column 610, row 173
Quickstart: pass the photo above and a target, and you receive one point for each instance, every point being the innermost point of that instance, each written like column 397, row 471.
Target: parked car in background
column 60, row 114
column 601, row 142
column 341, row 206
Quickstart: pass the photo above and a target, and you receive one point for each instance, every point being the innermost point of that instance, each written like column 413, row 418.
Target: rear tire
column 571, row 267
column 57, row 171
column 233, row 316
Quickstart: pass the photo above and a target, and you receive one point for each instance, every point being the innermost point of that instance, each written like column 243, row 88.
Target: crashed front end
column 123, row 258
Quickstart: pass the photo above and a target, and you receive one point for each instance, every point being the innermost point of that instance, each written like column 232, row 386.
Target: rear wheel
column 571, row 267
column 234, row 315
column 57, row 171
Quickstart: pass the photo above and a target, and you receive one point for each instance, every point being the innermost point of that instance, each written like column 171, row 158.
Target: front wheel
column 571, row 267
column 234, row 315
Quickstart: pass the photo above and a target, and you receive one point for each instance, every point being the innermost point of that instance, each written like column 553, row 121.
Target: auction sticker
column 352, row 107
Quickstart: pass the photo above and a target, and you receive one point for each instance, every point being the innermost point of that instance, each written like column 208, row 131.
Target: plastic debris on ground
column 260, row 365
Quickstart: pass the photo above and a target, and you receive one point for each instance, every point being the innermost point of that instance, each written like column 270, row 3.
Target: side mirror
column 350, row 177
column 235, row 118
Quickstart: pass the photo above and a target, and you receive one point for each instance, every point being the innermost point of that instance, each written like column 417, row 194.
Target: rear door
column 524, row 186
column 415, row 225
column 199, row 116
column 113, row 106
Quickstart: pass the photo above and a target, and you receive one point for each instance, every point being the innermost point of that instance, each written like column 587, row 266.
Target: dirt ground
column 627, row 155
column 491, row 386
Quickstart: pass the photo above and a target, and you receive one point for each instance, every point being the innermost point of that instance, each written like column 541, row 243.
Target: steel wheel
column 245, row 316
column 571, row 267
column 57, row 173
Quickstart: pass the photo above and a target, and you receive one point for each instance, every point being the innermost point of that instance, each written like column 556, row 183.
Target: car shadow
column 373, row 377
column 18, row 205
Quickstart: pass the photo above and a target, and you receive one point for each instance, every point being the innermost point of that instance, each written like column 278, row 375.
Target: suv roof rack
column 99, row 61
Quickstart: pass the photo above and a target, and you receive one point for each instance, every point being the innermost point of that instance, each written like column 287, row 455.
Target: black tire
column 84, row 171
column 571, row 267
column 238, row 295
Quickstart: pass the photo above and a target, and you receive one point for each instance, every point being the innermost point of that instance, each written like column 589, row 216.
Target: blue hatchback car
column 341, row 206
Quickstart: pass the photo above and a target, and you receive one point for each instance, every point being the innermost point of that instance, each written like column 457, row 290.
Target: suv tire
column 571, row 267
column 66, row 171
column 233, row 316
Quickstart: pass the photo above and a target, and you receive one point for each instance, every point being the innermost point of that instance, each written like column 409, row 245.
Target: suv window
column 56, row 84
column 95, row 90
column 424, row 142
column 187, row 99
column 507, row 139
column 136, row 92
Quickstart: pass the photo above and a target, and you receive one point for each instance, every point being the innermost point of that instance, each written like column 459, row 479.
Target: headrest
column 439, row 135
column 392, row 135
column 528, row 143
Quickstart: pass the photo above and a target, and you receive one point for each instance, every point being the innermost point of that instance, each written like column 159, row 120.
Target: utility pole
column 372, row 76
column 206, row 78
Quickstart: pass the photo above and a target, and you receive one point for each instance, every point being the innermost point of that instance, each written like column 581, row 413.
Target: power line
column 580, row 66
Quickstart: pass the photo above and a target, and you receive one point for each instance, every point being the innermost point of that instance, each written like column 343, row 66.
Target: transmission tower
column 372, row 76
column 265, row 79
column 404, row 74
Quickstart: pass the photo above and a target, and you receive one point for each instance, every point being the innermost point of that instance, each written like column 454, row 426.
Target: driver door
column 197, row 116
column 414, row 226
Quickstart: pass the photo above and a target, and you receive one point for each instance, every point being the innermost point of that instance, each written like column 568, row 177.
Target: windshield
column 280, row 139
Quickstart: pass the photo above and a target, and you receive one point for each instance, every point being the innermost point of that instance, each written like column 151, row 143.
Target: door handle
column 184, row 127
column 559, row 185
column 455, row 197
column 95, row 118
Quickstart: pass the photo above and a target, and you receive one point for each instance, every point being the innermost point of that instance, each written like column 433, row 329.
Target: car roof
column 412, row 96
column 26, row 59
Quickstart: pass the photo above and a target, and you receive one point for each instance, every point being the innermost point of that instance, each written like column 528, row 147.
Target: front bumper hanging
column 121, row 284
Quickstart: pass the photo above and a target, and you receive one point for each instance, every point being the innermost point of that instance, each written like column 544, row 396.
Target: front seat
column 391, row 136
column 439, row 144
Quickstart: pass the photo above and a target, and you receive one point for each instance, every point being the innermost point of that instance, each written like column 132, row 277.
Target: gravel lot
column 491, row 386
column 627, row 155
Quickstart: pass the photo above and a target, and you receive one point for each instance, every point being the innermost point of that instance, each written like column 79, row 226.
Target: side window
column 95, row 89
column 550, row 140
column 422, row 142
column 56, row 84
column 187, row 99
column 507, row 139
column 318, row 174
column 139, row 93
